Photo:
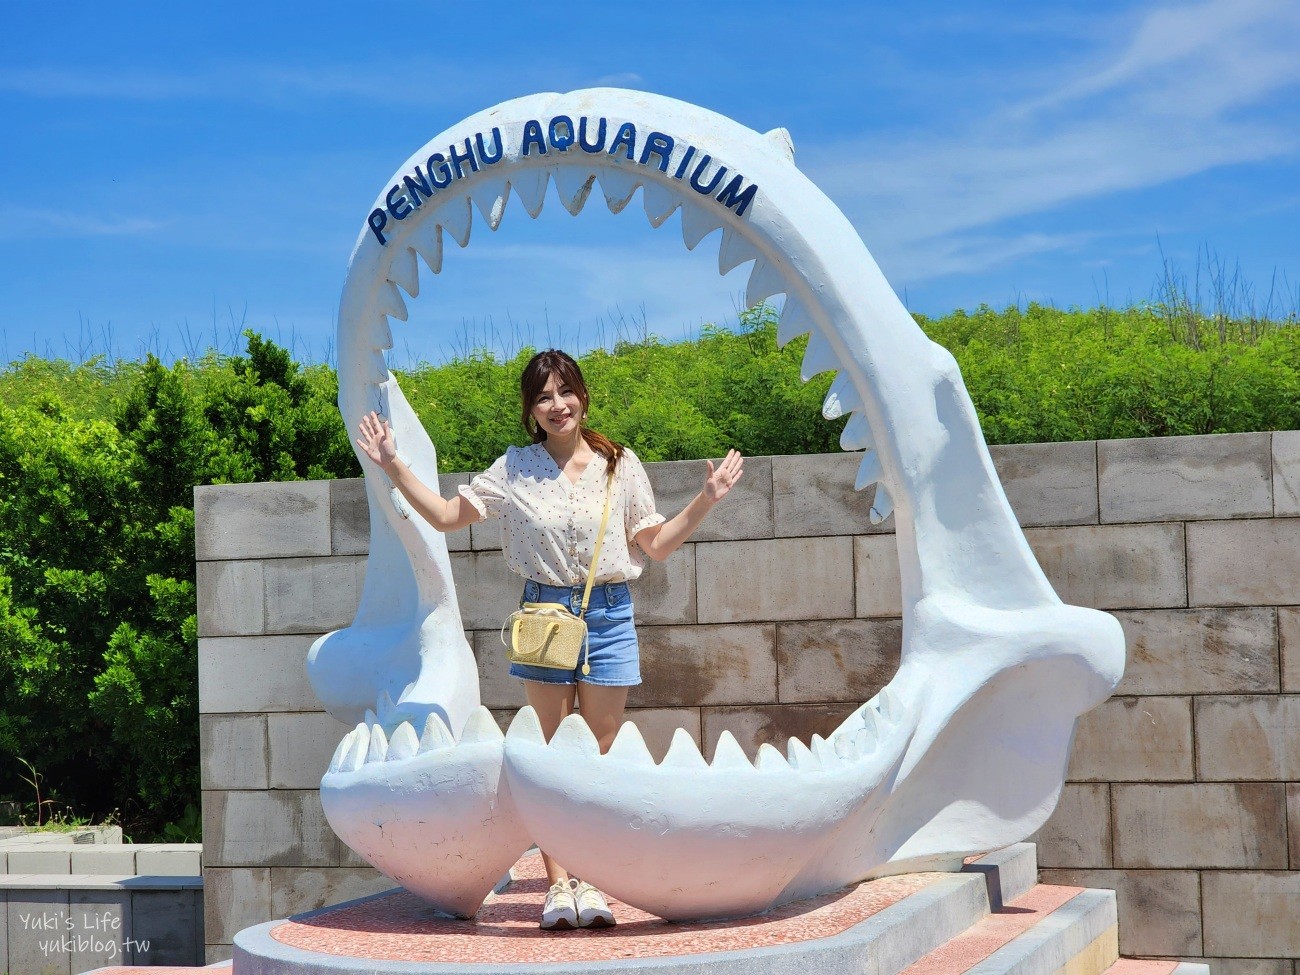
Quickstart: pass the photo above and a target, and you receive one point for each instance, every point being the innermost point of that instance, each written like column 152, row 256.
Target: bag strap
column 600, row 537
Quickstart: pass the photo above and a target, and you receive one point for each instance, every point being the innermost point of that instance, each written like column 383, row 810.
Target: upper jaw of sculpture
column 965, row 749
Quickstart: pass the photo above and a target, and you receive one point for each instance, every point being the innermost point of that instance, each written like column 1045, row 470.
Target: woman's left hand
column 717, row 482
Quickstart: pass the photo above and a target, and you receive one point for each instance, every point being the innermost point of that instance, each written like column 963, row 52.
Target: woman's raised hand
column 377, row 439
column 717, row 482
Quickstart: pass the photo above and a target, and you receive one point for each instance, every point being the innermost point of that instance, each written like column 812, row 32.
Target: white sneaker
column 560, row 912
column 593, row 912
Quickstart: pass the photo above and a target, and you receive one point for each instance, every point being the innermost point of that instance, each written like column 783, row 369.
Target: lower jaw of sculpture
column 947, row 761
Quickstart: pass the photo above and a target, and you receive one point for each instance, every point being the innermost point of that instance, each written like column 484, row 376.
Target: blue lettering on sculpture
column 466, row 157
column 657, row 144
column 560, row 132
column 483, row 154
column 377, row 221
column 713, row 183
column 686, row 161
column 418, row 188
column 626, row 137
column 397, row 204
column 596, row 146
column 734, row 199
column 533, row 137
column 437, row 163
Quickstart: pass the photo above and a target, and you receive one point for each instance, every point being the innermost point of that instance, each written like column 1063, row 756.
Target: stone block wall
column 781, row 615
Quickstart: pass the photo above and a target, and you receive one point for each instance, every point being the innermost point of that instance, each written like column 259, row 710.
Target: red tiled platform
column 400, row 927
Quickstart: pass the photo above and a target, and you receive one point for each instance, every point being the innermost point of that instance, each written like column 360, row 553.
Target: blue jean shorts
column 614, row 656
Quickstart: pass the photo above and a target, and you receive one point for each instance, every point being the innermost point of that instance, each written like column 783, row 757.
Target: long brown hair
column 536, row 374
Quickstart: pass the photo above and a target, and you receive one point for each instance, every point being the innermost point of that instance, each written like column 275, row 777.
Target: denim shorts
column 614, row 656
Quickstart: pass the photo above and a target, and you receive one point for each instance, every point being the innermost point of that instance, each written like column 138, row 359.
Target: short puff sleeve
column 487, row 492
column 639, row 498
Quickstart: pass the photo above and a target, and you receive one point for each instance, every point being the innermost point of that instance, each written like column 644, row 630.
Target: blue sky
column 986, row 152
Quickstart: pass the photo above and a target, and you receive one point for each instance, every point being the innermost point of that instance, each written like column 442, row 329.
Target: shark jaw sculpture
column 965, row 750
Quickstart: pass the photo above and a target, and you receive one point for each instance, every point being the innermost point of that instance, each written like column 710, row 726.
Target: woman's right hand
column 377, row 440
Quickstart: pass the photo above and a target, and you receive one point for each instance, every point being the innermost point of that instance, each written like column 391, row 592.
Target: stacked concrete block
column 782, row 614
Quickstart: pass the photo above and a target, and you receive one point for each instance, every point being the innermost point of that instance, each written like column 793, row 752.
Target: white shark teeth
column 841, row 398
column 628, row 746
column 456, row 218
column 390, row 301
column 480, row 728
column 768, row 758
column 378, row 745
column 381, row 334
column 818, row 358
column 856, row 434
column 436, row 734
column 794, row 321
column 870, row 723
column 530, row 187
column 618, row 186
column 385, row 707
column 378, row 367
column 764, row 281
column 659, row 203
column 846, row 749
column 404, row 743
column 404, row 272
column 341, row 752
column 734, row 251
column 890, row 706
column 426, row 239
column 491, row 197
column 882, row 505
column 355, row 756
column 573, row 734
column 573, row 187
column 865, row 740
column 728, row 753
column 683, row 752
column 800, row 755
column 869, row 471
column 824, row 750
column 370, row 718
column 697, row 223
column 526, row 727
column 780, row 138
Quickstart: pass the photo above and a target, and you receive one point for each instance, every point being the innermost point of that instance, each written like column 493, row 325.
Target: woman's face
column 557, row 409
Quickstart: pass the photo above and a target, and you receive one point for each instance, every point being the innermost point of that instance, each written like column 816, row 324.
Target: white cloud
column 31, row 222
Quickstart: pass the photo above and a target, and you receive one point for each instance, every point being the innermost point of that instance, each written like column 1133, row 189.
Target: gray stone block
column 1200, row 651
column 666, row 591
column 836, row 660
column 1078, row 832
column 101, row 931
column 233, row 751
column 1288, row 634
column 218, row 954
column 780, row 579
column 4, row 930
column 1232, row 825
column 496, row 688
column 40, row 860
column 1249, row 737
column 112, row 859
column 746, row 512
column 486, row 589
column 170, row 859
column 231, row 598
column 1159, row 910
column 1293, row 822
column 449, row 485
column 1247, row 966
column 658, row 725
column 1251, row 915
column 1184, row 478
column 1286, row 472
column 1049, row 483
column 38, row 921
column 1134, row 739
column 485, row 536
column 695, row 665
column 162, row 924
column 255, row 674
column 274, row 829
column 1244, row 563
column 234, row 898
column 295, row 890
column 312, row 595
column 1114, row 566
column 258, row 521
column 772, row 724
column 301, row 746
column 813, row 495
column 349, row 517
column 878, row 585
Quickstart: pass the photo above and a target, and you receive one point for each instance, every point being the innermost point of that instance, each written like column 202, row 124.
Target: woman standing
column 550, row 497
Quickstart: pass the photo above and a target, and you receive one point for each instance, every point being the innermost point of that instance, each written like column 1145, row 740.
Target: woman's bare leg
column 553, row 703
column 602, row 709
